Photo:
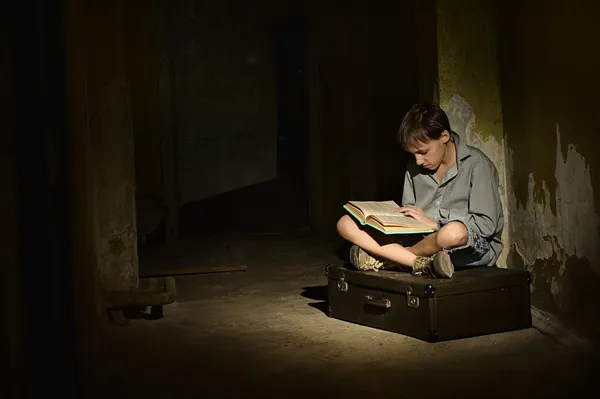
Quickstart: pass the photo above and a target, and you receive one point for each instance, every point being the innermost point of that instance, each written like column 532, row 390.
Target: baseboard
column 548, row 324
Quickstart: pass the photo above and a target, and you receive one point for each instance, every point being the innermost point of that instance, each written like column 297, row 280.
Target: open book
column 384, row 216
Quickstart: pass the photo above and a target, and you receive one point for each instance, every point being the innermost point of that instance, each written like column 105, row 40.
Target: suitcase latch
column 341, row 284
column 411, row 300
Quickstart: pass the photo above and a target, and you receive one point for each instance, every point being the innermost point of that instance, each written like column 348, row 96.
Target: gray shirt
column 467, row 193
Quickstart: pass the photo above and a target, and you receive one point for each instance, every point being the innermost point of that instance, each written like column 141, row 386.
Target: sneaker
column 438, row 266
column 364, row 261
column 422, row 266
column 442, row 265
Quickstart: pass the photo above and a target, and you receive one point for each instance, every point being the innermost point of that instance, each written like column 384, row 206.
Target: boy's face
column 430, row 154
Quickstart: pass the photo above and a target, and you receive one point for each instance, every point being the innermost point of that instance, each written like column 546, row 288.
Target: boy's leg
column 350, row 230
column 457, row 246
column 451, row 235
column 388, row 249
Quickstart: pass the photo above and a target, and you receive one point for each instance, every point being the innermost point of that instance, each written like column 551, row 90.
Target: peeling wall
column 520, row 82
column 469, row 89
column 549, row 95
column 467, row 60
column 111, row 137
column 571, row 228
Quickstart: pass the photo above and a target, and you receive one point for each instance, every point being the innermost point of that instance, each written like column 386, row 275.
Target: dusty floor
column 264, row 333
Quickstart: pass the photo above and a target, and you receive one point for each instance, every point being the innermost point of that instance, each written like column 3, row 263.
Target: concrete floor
column 263, row 333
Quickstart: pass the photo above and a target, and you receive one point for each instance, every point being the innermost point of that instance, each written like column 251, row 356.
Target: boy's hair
column 422, row 122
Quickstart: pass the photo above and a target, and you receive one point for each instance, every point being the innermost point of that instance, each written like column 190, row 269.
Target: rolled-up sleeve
column 485, row 207
column 408, row 193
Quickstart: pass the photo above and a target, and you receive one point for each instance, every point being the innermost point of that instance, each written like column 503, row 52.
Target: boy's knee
column 454, row 234
column 345, row 226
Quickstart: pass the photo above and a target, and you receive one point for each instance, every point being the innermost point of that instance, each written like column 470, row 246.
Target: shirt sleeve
column 485, row 208
column 408, row 193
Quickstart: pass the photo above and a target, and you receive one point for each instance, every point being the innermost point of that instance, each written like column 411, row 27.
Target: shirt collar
column 462, row 150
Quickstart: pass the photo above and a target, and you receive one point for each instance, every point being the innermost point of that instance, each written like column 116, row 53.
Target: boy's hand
column 417, row 213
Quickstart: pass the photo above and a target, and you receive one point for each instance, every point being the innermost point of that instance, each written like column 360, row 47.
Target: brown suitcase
column 473, row 302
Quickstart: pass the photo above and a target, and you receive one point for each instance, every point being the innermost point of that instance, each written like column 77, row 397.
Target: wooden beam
column 192, row 270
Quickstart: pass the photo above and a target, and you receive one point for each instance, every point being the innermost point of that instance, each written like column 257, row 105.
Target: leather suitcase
column 473, row 302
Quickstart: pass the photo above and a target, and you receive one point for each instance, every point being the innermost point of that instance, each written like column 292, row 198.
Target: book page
column 400, row 220
column 377, row 208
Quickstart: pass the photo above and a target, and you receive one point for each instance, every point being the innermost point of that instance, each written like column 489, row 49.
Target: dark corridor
column 278, row 205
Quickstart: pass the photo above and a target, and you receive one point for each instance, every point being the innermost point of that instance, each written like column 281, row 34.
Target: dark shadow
column 120, row 315
column 317, row 292
column 279, row 205
column 146, row 313
column 322, row 306
column 342, row 250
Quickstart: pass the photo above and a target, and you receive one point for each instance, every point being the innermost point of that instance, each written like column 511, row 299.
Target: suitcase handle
column 382, row 303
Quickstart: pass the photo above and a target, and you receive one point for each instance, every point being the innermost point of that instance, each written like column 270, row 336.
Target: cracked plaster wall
column 463, row 120
column 571, row 228
column 549, row 86
column 469, row 88
column 518, row 91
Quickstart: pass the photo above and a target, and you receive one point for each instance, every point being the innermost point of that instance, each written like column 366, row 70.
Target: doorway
column 276, row 201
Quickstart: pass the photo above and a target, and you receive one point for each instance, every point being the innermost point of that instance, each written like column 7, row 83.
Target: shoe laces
column 423, row 266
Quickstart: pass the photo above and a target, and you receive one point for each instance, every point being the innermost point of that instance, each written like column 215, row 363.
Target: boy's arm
column 485, row 208
column 408, row 196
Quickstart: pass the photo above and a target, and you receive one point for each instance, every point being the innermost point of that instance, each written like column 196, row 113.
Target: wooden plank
column 192, row 270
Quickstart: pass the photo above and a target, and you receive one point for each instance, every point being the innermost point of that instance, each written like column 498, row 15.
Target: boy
column 450, row 186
